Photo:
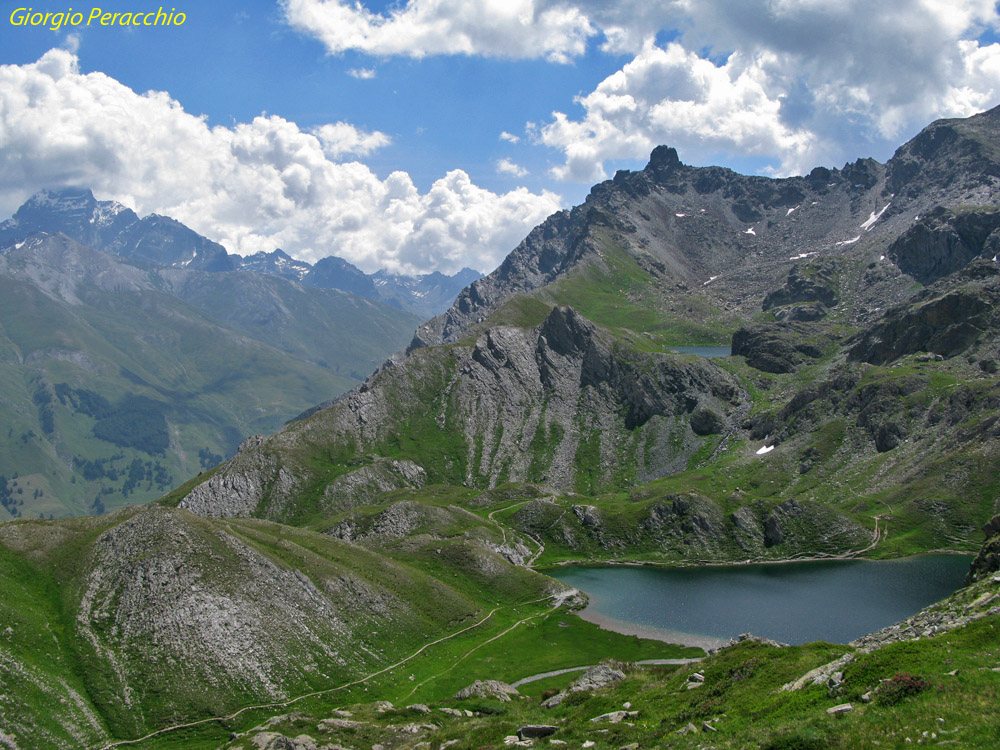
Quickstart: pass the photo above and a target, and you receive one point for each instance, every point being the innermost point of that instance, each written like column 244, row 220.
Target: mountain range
column 860, row 302
column 116, row 229
column 142, row 358
column 390, row 545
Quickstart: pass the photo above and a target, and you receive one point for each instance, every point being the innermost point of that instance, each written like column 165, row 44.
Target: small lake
column 704, row 351
column 835, row 600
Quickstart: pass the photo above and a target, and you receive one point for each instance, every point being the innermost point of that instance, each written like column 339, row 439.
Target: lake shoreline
column 706, row 606
column 649, row 632
column 682, row 565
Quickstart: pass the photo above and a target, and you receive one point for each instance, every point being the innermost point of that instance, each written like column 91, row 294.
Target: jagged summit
column 113, row 228
column 711, row 233
column 110, row 227
column 277, row 263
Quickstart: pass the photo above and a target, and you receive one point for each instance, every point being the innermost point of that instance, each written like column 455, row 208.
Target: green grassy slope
column 116, row 399
column 122, row 624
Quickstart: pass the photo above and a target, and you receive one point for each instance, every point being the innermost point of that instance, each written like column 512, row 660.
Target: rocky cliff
column 560, row 403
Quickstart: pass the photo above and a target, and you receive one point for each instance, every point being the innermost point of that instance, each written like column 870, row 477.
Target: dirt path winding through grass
column 557, row 672
column 560, row 597
column 503, row 530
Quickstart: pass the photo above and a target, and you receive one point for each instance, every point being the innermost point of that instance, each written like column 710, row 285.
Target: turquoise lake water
column 704, row 351
column 836, row 600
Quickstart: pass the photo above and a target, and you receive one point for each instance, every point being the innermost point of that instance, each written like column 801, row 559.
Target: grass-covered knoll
column 122, row 624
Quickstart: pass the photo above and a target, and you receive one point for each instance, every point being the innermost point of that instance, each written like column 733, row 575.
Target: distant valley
column 136, row 353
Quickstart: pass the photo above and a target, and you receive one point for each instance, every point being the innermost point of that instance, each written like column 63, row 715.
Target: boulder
column 495, row 689
column 597, row 676
column 843, row 708
column 616, row 717
column 536, row 731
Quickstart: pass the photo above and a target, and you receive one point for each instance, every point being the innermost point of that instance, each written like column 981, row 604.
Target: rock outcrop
column 808, row 287
column 945, row 319
column 946, row 240
column 987, row 562
column 494, row 689
column 778, row 347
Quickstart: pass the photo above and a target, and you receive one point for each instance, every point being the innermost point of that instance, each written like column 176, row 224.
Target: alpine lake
column 793, row 602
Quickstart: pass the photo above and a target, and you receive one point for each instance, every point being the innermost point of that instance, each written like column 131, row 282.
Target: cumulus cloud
column 672, row 96
column 506, row 166
column 342, row 138
column 796, row 83
column 790, row 82
column 509, row 137
column 516, row 29
column 362, row 74
column 253, row 186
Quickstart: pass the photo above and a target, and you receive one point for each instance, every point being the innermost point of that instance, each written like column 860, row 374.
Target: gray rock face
column 776, row 347
column 953, row 158
column 398, row 520
column 238, row 491
column 987, row 562
column 944, row 241
column 774, row 525
column 945, row 319
column 815, row 282
column 241, row 621
column 363, row 485
column 494, row 689
column 517, row 404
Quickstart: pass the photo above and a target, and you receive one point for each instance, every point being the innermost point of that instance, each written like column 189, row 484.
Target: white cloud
column 506, row 166
column 790, row 82
column 254, row 186
column 509, row 137
column 362, row 74
column 670, row 95
column 342, row 138
column 516, row 29
column 796, row 82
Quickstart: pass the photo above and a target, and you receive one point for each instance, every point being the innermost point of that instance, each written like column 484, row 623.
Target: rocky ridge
column 521, row 405
column 730, row 238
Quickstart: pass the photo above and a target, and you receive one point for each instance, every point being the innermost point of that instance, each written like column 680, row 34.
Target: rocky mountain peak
column 565, row 331
column 663, row 158
column 277, row 263
column 957, row 159
column 73, row 211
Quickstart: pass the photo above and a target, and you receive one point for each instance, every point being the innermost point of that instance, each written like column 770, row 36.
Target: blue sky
column 374, row 131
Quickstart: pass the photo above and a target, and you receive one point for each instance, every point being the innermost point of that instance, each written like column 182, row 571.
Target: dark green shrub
column 902, row 685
